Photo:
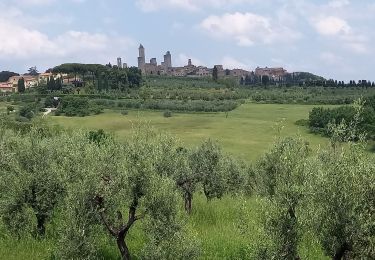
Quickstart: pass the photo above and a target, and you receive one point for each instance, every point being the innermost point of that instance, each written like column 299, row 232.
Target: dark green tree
column 265, row 80
column 33, row 71
column 5, row 75
column 215, row 75
column 21, row 85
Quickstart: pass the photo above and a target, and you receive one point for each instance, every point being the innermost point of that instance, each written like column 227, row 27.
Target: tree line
column 359, row 116
column 5, row 75
column 102, row 77
column 302, row 79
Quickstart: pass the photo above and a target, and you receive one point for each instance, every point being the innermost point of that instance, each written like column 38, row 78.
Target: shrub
column 167, row 113
column 77, row 106
column 27, row 112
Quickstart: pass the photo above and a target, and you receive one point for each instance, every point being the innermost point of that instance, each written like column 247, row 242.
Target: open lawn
column 247, row 132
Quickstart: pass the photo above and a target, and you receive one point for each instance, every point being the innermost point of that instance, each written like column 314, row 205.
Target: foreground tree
column 33, row 188
column 207, row 162
column 186, row 179
column 341, row 209
column 124, row 185
column 280, row 176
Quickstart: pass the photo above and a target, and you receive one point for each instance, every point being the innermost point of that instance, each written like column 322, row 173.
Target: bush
column 27, row 112
column 124, row 113
column 77, row 106
column 167, row 114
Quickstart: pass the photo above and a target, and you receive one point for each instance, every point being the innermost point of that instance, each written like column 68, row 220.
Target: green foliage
column 340, row 208
column 21, row 85
column 193, row 105
column 33, row 183
column 167, row 113
column 207, row 162
column 102, row 77
column 5, row 75
column 358, row 116
column 237, row 176
column 280, row 177
column 75, row 106
column 28, row 111
column 54, row 84
column 98, row 136
column 51, row 102
column 10, row 109
column 32, row 71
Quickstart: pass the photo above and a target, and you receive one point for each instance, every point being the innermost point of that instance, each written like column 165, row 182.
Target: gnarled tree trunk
column 340, row 253
column 121, row 244
column 188, row 202
column 120, row 232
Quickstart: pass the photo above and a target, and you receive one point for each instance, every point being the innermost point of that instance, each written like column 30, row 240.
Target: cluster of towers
column 120, row 64
column 153, row 67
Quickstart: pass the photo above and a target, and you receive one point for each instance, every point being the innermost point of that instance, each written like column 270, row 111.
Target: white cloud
column 247, row 29
column 19, row 42
column 189, row 5
column 331, row 25
column 340, row 30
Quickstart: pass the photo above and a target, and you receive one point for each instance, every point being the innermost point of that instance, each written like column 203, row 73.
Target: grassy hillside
column 247, row 131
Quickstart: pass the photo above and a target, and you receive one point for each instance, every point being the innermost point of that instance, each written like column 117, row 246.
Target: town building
column 7, row 87
column 274, row 73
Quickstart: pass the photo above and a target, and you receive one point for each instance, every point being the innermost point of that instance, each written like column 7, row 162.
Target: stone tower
column 119, row 63
column 168, row 60
column 141, row 58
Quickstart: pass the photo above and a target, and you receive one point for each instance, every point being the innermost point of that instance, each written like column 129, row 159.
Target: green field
column 247, row 132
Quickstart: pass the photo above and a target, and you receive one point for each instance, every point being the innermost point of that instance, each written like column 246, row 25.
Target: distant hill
column 5, row 75
column 306, row 76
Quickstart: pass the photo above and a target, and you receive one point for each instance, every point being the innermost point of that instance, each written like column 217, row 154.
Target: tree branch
column 111, row 230
column 99, row 202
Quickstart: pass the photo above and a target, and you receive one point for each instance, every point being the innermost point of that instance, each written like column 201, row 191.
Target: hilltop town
column 191, row 70
column 165, row 68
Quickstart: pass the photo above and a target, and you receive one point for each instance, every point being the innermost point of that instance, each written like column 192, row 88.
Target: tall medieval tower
column 141, row 58
column 168, row 60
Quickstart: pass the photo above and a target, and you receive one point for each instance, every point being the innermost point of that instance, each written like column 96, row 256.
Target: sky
column 331, row 38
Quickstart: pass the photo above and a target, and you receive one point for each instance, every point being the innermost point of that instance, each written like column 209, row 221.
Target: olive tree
column 33, row 185
column 341, row 209
column 280, row 177
column 124, row 184
column 341, row 188
column 207, row 161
